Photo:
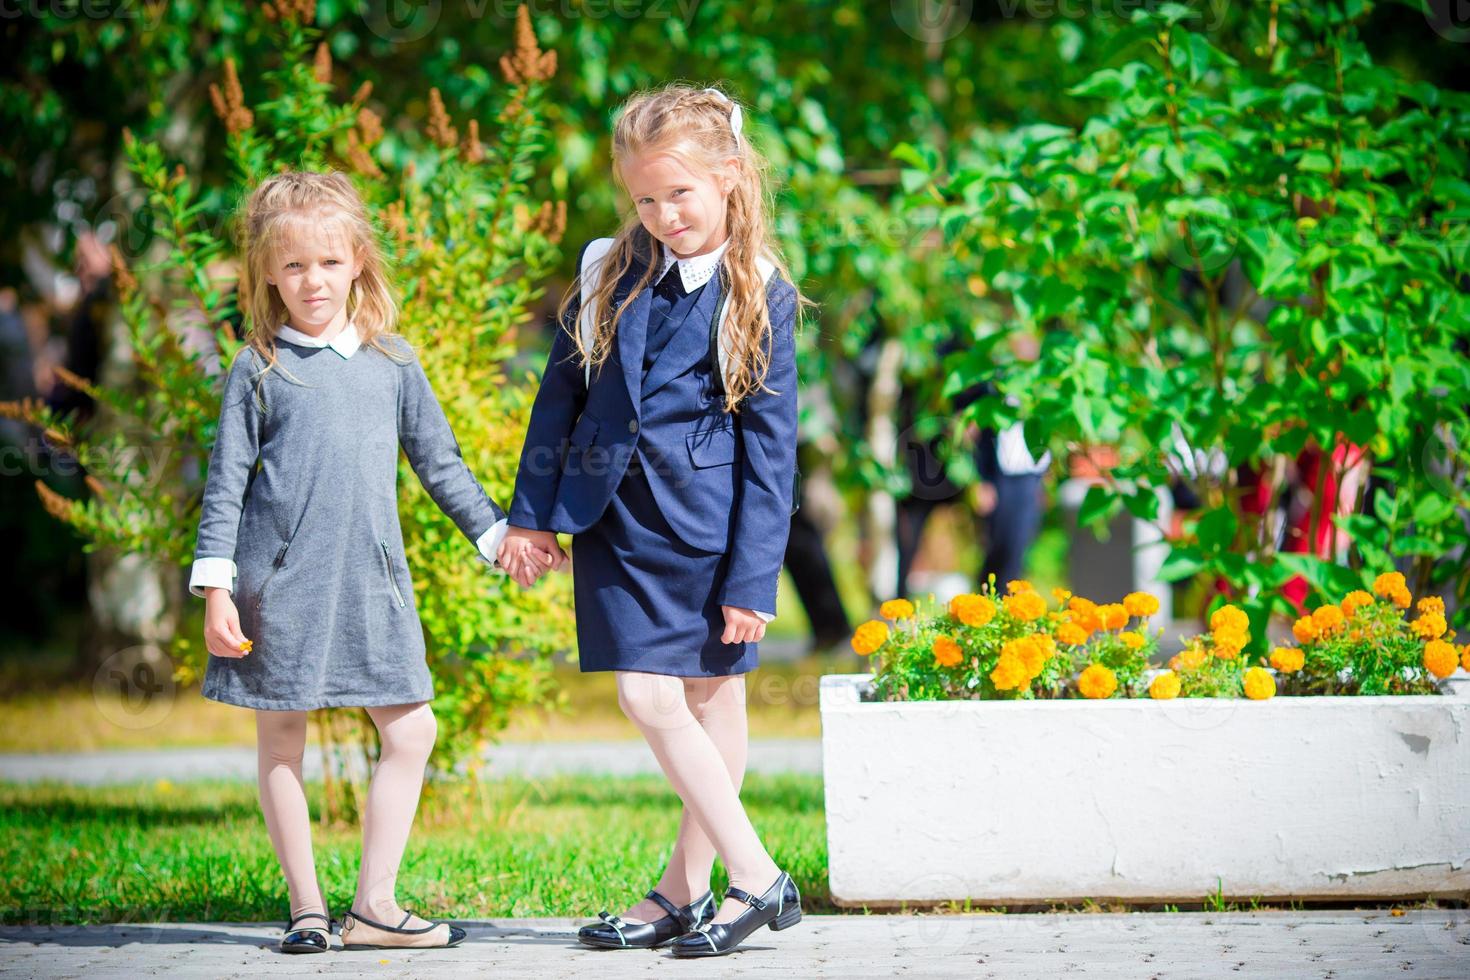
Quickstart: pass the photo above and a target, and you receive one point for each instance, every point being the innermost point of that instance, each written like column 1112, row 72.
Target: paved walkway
column 1334, row 945
column 238, row 762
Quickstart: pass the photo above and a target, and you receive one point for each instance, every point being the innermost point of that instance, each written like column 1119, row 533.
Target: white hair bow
column 735, row 117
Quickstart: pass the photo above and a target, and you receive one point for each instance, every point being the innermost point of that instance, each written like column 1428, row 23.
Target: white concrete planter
column 1016, row 802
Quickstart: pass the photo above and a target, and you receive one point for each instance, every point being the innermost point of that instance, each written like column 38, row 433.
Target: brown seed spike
column 473, row 151
column 528, row 63
column 363, row 91
column 321, row 67
column 369, row 126
column 56, row 505
column 126, row 284
column 95, row 485
column 441, row 131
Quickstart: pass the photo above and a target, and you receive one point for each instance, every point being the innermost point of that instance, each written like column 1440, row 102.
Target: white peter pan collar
column 346, row 342
column 696, row 270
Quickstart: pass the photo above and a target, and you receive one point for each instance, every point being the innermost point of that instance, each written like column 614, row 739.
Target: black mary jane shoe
column 779, row 908
column 309, row 939
column 614, row 933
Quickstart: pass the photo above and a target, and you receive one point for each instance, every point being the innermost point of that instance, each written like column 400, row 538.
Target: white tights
column 697, row 729
column 406, row 733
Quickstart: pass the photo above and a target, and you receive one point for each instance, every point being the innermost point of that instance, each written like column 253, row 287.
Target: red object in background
column 1259, row 497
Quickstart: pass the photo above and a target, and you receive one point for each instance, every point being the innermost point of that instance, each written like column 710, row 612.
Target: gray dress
column 303, row 497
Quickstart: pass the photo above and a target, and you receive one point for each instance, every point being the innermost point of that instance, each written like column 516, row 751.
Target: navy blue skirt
column 645, row 600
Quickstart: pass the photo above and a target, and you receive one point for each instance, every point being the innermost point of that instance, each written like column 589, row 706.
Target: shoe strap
column 680, row 916
column 400, row 930
column 290, row 926
column 740, row 895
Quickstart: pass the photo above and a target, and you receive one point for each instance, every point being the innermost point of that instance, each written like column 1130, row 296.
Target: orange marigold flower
column 1019, row 585
column 1389, row 583
column 1061, row 595
column 1287, row 659
column 1025, row 606
column 1354, row 601
column 1327, row 619
column 1113, row 615
column 947, row 652
column 1140, row 604
column 1401, row 598
column 972, row 609
column 867, row 638
column 1132, row 640
column 1259, row 684
column 1174, row 662
column 1192, row 658
column 1229, row 643
column 1009, row 673
column 1033, row 651
column 1097, row 681
column 1071, row 634
column 1229, row 618
column 1430, row 604
column 896, row 609
column 1439, row 658
column 1465, row 657
column 1305, row 629
column 1164, row 686
column 1430, row 626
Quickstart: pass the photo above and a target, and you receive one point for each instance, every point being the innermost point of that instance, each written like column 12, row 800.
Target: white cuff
column 211, row 573
column 489, row 543
column 764, row 615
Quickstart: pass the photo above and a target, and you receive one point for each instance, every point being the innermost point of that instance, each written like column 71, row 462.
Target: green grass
column 565, row 846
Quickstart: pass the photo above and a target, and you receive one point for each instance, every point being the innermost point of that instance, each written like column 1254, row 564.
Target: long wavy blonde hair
column 274, row 214
column 693, row 126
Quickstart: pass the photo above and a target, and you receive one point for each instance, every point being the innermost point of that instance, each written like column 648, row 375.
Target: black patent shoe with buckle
column 779, row 908
column 615, row 933
column 307, row 939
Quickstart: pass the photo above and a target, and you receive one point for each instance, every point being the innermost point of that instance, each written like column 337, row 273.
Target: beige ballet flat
column 360, row 933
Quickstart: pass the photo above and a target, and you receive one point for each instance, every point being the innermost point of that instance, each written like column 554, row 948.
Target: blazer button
column 633, row 426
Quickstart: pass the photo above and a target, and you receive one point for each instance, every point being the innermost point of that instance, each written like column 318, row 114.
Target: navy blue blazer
column 722, row 482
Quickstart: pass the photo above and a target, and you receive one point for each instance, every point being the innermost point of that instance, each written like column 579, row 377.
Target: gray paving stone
column 1333, row 945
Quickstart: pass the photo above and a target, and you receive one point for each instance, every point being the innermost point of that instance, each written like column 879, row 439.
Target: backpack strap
column 588, row 276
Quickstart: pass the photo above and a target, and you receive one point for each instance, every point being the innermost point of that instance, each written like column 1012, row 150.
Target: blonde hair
column 693, row 125
column 272, row 215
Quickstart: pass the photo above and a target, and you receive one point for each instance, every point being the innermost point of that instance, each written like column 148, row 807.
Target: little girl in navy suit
column 663, row 438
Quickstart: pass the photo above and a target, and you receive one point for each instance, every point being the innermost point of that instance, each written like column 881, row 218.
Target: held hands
column 742, row 626
column 526, row 554
column 222, row 636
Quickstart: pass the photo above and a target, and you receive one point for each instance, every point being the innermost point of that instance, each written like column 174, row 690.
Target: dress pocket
column 276, row 564
column 712, row 447
column 392, row 579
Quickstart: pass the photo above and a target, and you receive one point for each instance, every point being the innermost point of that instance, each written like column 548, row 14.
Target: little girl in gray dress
column 300, row 555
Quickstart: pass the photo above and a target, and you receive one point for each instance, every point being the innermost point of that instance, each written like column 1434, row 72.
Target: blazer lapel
column 632, row 334
column 689, row 344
